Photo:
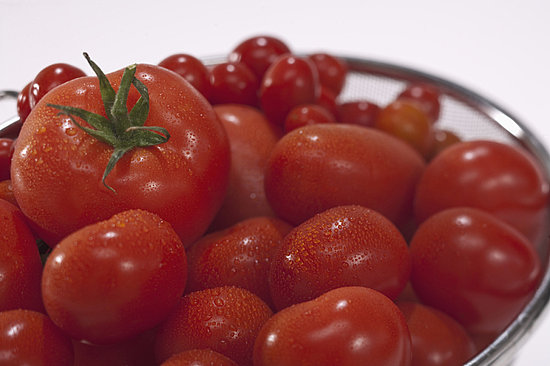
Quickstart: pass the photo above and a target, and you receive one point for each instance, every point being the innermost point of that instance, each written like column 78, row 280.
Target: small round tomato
column 327, row 100
column 49, row 78
column 307, row 114
column 426, row 96
column 498, row 178
column 112, row 280
column 23, row 103
column 199, row 357
column 474, row 267
column 191, row 69
column 360, row 112
column 224, row 319
column 442, row 140
column 343, row 246
column 258, row 53
column 6, row 153
column 233, row 83
column 348, row 326
column 6, row 192
column 31, row 338
column 332, row 71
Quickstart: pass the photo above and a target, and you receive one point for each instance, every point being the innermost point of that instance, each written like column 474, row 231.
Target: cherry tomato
column 289, row 81
column 6, row 154
column 474, row 267
column 332, row 71
column 233, row 83
column 348, row 326
column 442, row 140
column 58, row 167
column 30, row 338
column 437, row 339
column 318, row 167
column 327, row 100
column 199, row 357
column 6, row 192
column 498, row 178
column 307, row 114
column 425, row 96
column 360, row 112
column 50, row 77
column 258, row 53
column 191, row 69
column 224, row 319
column 343, row 246
column 251, row 138
column 23, row 103
column 110, row 281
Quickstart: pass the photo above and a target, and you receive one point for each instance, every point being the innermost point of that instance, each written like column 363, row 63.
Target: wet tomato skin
column 199, row 357
column 348, row 326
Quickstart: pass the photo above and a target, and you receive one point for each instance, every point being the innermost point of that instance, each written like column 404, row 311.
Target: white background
column 500, row 49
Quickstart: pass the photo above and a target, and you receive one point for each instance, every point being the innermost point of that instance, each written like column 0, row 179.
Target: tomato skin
column 224, row 319
column 49, row 78
column 57, row 168
column 442, row 140
column 199, row 357
column 20, row 265
column 143, row 271
column 425, row 96
column 321, row 166
column 501, row 179
column 6, row 153
column 468, row 263
column 233, row 83
column 6, row 192
column 23, row 103
column 31, row 338
column 332, row 71
column 360, row 112
column 191, row 69
column 348, row 326
column 437, row 339
column 307, row 114
column 343, row 246
column 258, row 53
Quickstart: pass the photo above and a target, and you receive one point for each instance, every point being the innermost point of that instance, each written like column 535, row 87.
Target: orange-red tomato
column 199, row 357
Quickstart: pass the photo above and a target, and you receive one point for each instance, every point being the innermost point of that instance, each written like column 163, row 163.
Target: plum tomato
column 359, row 112
column 474, row 267
column 343, row 246
column 251, row 139
column 332, row 71
column 307, row 114
column 23, row 103
column 31, row 338
column 258, row 53
column 223, row 319
column 437, row 339
column 57, row 168
column 191, row 69
column 321, row 166
column 498, row 178
column 112, row 280
column 6, row 153
column 408, row 122
column 233, row 83
column 289, row 81
column 199, row 357
column 49, row 78
column 238, row 256
column 348, row 326
column 20, row 265
column 426, row 96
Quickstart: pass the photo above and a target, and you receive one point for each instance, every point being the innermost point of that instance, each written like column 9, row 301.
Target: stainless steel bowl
column 470, row 116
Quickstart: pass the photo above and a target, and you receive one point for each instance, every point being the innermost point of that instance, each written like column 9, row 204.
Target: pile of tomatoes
column 244, row 214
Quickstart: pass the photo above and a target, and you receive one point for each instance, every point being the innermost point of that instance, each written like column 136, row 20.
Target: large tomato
column 57, row 167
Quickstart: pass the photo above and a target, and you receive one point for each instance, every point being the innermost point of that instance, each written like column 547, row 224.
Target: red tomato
column 191, row 69
column 252, row 138
column 442, row 140
column 343, row 246
column 49, row 78
column 233, row 83
column 501, row 179
column 20, row 265
column 348, row 326
column 6, row 153
column 332, row 71
column 6, row 192
column 307, row 114
column 437, row 339
column 317, row 167
column 258, row 53
column 361, row 112
column 474, row 267
column 327, row 100
column 425, row 96
column 23, row 103
column 238, row 256
column 30, row 338
column 224, row 319
column 58, row 168
column 289, row 81
column 199, row 357
column 112, row 280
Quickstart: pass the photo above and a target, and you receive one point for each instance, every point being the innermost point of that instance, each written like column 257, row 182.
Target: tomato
column 224, row 319
column 252, row 138
column 6, row 153
column 6, row 192
column 20, row 265
column 332, row 71
column 442, row 140
column 191, row 69
column 57, row 168
column 23, row 103
column 112, row 280
column 258, row 53
column 317, row 167
column 426, row 96
column 307, row 114
column 343, row 246
column 348, row 326
column 327, row 100
column 437, row 339
column 49, row 78
column 289, row 81
column 30, row 338
column 238, row 256
column 474, row 267
column 199, row 357
column 233, row 83
column 360, row 112
column 501, row 179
